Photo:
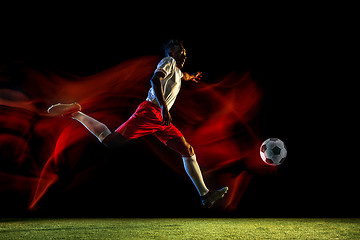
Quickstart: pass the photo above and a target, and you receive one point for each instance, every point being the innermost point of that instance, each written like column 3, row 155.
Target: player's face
column 180, row 57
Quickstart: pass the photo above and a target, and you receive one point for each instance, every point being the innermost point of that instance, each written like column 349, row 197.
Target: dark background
column 300, row 62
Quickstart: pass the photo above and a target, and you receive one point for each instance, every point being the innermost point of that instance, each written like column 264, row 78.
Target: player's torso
column 172, row 87
column 171, row 84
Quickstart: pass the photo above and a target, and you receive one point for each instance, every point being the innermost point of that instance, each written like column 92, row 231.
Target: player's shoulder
column 168, row 60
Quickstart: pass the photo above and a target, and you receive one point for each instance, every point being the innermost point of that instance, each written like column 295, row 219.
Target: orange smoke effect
column 214, row 118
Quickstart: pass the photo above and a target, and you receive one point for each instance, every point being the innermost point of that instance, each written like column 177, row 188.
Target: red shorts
column 147, row 120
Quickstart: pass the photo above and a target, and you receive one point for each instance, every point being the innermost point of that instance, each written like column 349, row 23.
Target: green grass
column 180, row 228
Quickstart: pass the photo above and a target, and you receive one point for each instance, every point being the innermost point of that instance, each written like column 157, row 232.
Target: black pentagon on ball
column 274, row 139
column 276, row 150
column 263, row 148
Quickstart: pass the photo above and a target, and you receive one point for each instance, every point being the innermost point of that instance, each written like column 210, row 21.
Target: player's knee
column 181, row 146
column 189, row 150
column 115, row 140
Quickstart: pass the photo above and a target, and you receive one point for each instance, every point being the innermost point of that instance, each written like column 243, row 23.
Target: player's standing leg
column 192, row 168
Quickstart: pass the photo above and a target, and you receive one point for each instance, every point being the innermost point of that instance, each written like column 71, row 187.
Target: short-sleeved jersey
column 171, row 83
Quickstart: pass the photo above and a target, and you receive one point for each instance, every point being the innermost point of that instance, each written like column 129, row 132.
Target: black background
column 299, row 59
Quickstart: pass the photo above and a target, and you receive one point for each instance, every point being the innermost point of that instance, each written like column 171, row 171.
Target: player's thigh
column 181, row 146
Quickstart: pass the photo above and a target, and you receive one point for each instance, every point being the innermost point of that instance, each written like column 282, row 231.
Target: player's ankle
column 204, row 192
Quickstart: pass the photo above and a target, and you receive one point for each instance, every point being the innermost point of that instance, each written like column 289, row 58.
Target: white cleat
column 62, row 109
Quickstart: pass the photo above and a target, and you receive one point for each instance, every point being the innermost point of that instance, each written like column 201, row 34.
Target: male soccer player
column 152, row 117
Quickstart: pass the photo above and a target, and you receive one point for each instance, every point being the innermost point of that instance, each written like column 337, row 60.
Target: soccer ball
column 273, row 151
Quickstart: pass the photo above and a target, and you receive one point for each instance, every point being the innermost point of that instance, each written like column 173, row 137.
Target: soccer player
column 153, row 117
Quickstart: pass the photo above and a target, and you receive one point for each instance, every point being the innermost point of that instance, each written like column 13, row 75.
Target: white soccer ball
column 273, row 151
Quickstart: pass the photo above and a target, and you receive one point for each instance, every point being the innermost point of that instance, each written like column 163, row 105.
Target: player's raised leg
column 192, row 168
column 98, row 129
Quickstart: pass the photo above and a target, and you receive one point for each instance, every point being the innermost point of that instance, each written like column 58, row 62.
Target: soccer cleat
column 212, row 196
column 62, row 109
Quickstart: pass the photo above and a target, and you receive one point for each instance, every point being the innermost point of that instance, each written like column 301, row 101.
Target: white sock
column 98, row 129
column 193, row 170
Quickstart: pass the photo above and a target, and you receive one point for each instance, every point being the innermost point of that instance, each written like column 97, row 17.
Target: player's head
column 175, row 49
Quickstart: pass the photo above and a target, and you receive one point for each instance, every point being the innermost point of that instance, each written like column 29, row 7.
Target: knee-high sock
column 193, row 170
column 98, row 129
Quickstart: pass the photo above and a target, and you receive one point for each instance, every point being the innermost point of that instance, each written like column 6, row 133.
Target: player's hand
column 196, row 77
column 166, row 117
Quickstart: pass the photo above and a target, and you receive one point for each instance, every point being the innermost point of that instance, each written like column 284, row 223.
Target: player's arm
column 159, row 94
column 192, row 77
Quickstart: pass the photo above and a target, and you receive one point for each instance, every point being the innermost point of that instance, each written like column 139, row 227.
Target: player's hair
column 172, row 46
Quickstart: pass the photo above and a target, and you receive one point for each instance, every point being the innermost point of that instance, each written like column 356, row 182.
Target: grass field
column 180, row 228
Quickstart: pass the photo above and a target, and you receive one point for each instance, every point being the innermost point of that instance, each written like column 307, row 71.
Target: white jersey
column 171, row 83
